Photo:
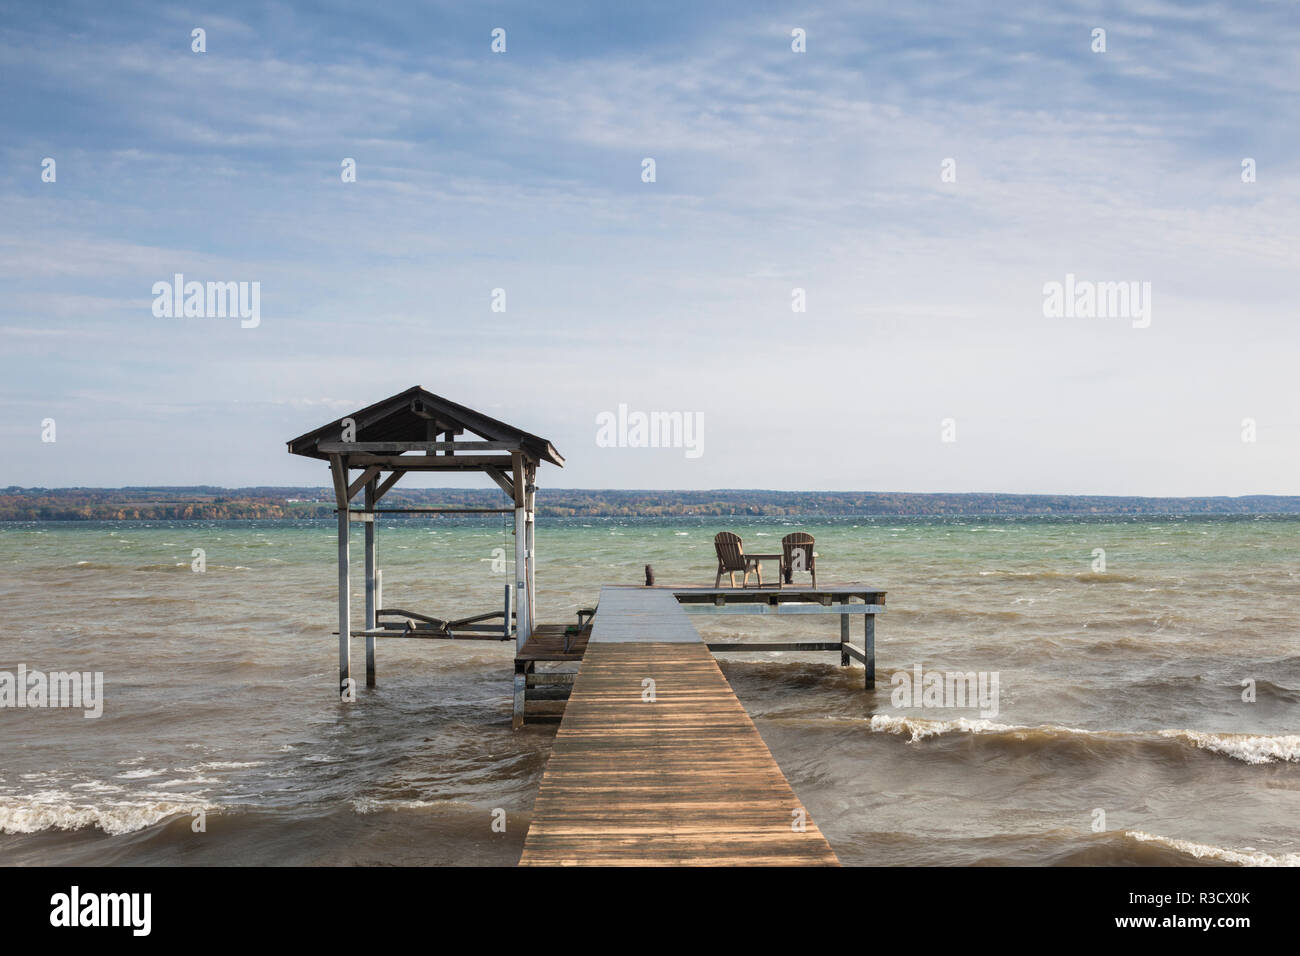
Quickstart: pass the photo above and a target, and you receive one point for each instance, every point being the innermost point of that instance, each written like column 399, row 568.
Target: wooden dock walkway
column 656, row 761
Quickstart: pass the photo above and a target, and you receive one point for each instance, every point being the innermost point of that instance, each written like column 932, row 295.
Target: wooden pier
column 656, row 761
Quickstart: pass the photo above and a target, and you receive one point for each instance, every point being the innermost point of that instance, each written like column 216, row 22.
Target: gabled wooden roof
column 418, row 415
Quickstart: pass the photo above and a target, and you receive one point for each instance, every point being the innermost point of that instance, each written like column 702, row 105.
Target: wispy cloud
column 775, row 170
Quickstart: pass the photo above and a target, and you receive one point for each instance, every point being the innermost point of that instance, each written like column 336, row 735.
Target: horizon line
column 9, row 489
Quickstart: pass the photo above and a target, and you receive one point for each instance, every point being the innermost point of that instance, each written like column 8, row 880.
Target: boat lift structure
column 368, row 453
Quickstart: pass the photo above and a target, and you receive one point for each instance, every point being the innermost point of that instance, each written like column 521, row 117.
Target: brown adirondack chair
column 731, row 558
column 791, row 546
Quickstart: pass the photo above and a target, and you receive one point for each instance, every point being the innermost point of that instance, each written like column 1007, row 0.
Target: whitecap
column 30, row 816
column 1250, row 748
column 1246, row 857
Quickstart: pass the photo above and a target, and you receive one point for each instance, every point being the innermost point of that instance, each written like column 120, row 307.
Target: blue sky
column 775, row 170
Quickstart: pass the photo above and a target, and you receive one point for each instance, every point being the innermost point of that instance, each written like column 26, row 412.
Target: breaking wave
column 113, row 819
column 1203, row 851
column 1247, row 748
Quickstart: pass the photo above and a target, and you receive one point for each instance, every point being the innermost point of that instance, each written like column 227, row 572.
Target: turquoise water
column 1119, row 690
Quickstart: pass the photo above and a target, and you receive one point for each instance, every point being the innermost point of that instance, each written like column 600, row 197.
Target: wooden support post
column 517, row 476
column 345, row 609
column 844, row 639
column 339, row 471
column 371, row 585
column 869, row 646
column 521, row 578
column 532, row 574
column 530, row 508
column 505, row 627
column 523, row 623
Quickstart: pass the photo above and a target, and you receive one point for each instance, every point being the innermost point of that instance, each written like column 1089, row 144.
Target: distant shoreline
column 286, row 503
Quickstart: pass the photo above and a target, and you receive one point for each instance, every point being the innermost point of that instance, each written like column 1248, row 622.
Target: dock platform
column 540, row 694
column 656, row 762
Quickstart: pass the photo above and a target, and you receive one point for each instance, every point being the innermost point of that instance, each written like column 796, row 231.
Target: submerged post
column 520, row 699
column 521, row 695
column 523, row 625
column 507, row 627
column 339, row 473
column 371, row 585
column 521, row 577
column 530, row 512
column 345, row 609
column 844, row 638
column 869, row 646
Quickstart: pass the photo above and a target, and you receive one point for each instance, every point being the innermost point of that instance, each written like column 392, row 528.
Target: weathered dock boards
column 642, row 615
column 683, row 778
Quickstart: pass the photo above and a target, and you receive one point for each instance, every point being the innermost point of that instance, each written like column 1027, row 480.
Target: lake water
column 1121, row 735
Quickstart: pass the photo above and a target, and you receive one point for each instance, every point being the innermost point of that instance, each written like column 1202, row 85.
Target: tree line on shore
column 275, row 503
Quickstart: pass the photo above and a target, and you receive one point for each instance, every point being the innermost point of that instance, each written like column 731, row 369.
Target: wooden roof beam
column 398, row 447
column 430, row 462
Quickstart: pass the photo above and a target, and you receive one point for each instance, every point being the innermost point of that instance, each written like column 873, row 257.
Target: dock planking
column 683, row 779
column 641, row 615
column 548, row 643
